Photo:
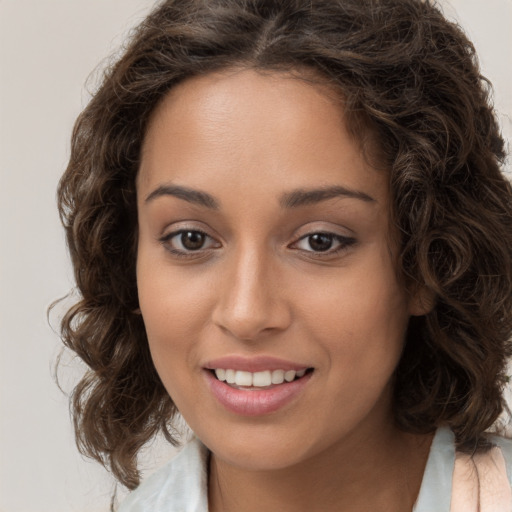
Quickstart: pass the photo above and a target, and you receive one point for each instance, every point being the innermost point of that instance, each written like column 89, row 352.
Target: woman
column 288, row 222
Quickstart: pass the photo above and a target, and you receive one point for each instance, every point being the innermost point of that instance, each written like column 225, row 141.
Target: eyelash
column 344, row 244
column 343, row 241
column 166, row 241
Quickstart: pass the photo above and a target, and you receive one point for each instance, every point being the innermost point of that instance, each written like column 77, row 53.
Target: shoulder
column 505, row 446
column 482, row 481
column 180, row 485
column 459, row 482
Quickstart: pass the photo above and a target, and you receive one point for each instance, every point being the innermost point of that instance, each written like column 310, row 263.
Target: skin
column 257, row 286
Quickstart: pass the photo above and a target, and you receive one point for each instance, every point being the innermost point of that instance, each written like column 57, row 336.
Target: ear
column 422, row 301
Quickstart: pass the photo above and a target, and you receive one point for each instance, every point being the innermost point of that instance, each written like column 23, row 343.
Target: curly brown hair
column 407, row 75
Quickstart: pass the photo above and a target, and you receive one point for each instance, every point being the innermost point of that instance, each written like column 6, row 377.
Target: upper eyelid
column 309, row 230
column 165, row 241
column 169, row 236
column 324, row 232
column 180, row 226
column 325, row 227
column 300, row 233
column 174, row 232
column 335, row 236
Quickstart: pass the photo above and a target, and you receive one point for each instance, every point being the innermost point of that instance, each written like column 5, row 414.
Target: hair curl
column 405, row 72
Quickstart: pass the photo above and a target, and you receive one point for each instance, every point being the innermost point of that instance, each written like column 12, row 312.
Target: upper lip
column 253, row 364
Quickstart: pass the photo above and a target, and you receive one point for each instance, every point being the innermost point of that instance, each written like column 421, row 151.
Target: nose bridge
column 251, row 300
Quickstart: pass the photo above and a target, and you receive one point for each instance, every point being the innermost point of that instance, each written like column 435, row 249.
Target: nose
column 251, row 301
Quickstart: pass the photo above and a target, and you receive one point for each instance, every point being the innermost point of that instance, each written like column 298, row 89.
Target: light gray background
column 47, row 50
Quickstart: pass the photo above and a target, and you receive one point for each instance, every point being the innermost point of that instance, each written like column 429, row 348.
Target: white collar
column 181, row 485
column 436, row 487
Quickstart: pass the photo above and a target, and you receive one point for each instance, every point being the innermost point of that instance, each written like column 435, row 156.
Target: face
column 266, row 272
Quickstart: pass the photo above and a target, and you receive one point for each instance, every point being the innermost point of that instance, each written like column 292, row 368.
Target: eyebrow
column 293, row 199
column 297, row 198
column 187, row 194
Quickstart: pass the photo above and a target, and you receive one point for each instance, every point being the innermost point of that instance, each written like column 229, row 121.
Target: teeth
column 277, row 376
column 262, row 379
column 257, row 379
column 243, row 378
column 220, row 373
column 289, row 375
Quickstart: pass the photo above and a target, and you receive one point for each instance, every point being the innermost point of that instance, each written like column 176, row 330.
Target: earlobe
column 422, row 301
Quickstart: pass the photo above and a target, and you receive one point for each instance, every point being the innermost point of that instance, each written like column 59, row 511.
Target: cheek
column 175, row 311
column 358, row 301
column 363, row 335
column 360, row 318
column 171, row 302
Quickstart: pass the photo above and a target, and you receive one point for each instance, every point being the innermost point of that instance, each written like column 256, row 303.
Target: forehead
column 236, row 123
column 217, row 93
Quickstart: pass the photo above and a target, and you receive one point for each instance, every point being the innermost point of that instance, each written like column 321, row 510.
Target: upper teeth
column 257, row 379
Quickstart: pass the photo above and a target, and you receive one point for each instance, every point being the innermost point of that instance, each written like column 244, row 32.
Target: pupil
column 192, row 240
column 320, row 242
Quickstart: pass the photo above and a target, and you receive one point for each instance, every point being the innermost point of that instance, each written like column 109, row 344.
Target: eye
column 323, row 242
column 186, row 241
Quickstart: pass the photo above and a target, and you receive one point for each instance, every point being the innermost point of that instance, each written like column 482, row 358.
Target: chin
column 260, row 448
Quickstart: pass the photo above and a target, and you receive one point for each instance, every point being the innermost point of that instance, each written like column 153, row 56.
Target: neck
column 378, row 472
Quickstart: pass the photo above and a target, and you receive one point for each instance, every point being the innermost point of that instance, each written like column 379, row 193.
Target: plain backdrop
column 48, row 48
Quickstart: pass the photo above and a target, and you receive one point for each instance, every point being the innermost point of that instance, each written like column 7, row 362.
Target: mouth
column 260, row 392
column 257, row 381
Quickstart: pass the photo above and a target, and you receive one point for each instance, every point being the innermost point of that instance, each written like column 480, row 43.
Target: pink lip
column 253, row 364
column 255, row 402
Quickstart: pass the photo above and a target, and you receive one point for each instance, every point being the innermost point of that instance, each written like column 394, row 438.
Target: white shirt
column 181, row 484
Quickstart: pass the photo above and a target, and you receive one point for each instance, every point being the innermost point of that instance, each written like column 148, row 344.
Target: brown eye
column 320, row 242
column 188, row 241
column 324, row 243
column 192, row 240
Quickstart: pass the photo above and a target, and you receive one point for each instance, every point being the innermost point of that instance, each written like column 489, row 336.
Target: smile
column 256, row 393
column 262, row 379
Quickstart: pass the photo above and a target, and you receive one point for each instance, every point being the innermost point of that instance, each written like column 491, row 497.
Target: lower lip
column 256, row 402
